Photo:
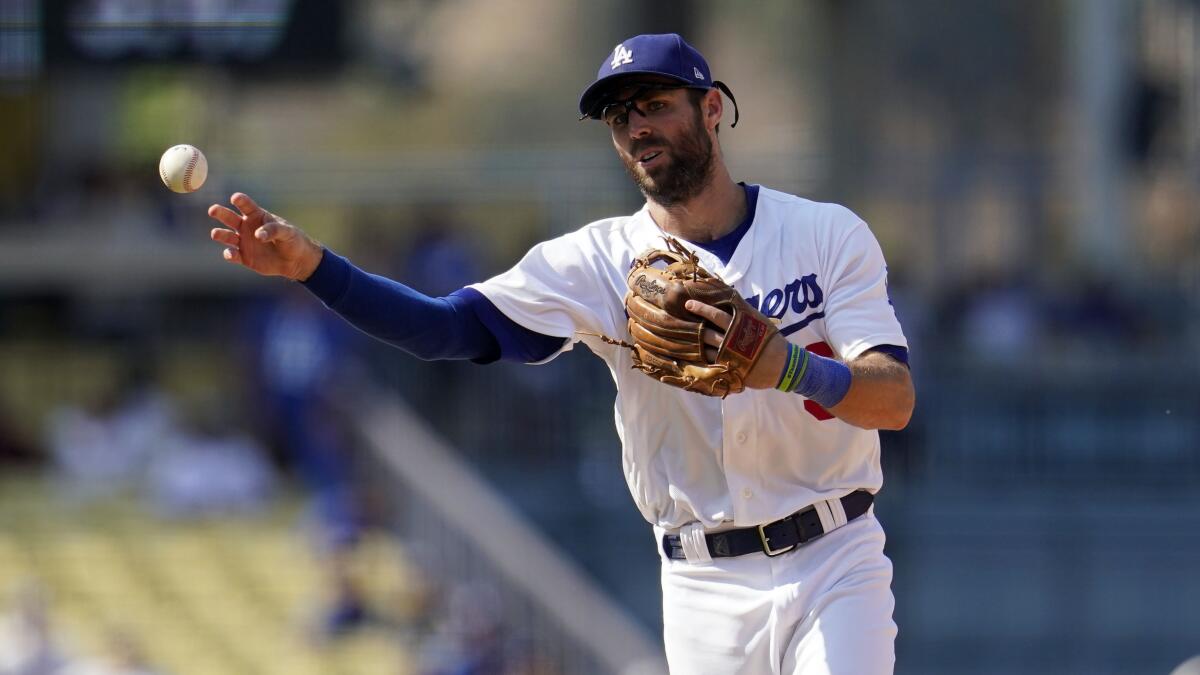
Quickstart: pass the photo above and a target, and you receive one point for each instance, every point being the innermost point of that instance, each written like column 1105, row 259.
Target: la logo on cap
column 621, row 56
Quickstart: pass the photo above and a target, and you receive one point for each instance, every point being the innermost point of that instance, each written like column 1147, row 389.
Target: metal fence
column 470, row 538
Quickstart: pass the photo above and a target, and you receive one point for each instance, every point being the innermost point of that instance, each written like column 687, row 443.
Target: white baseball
column 183, row 168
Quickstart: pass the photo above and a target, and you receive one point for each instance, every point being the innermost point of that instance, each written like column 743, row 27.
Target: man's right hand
column 264, row 242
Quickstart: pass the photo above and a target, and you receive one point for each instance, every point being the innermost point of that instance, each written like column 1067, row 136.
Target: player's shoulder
column 795, row 211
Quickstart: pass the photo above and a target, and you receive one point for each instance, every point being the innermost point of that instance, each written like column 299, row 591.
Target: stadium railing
column 473, row 536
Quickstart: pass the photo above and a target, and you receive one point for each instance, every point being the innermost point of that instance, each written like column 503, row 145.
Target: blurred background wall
column 1032, row 171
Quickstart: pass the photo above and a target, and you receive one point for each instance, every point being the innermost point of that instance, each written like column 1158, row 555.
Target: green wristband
column 789, row 377
column 803, row 369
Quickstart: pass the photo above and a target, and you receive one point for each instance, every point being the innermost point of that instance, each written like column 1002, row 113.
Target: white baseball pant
column 824, row 608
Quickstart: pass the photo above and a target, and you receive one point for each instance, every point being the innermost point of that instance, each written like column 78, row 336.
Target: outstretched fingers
column 224, row 236
column 244, row 204
column 228, row 235
column 262, row 241
column 225, row 216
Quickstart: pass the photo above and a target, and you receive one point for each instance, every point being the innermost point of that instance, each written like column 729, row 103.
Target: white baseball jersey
column 752, row 457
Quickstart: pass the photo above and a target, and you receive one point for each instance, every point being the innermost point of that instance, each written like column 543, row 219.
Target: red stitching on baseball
column 187, row 173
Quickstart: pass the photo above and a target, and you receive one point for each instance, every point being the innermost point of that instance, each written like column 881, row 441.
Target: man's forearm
column 881, row 394
column 428, row 328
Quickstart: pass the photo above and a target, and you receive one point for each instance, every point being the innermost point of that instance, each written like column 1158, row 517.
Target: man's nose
column 639, row 126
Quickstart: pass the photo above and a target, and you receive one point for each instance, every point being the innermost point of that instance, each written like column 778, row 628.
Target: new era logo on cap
column 696, row 71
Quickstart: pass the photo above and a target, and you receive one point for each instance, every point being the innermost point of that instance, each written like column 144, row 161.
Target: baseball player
column 772, row 560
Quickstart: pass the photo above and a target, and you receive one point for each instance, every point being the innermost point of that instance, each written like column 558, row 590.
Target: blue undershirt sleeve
column 463, row 325
column 428, row 328
column 517, row 343
column 895, row 351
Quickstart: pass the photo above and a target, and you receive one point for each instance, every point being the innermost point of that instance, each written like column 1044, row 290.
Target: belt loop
column 694, row 543
column 838, row 510
column 828, row 522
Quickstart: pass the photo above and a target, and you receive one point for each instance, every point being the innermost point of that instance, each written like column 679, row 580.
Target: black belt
column 775, row 538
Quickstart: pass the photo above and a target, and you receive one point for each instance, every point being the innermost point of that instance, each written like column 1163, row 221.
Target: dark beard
column 686, row 175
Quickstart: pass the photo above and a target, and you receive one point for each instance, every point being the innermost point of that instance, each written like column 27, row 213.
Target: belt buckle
column 762, row 536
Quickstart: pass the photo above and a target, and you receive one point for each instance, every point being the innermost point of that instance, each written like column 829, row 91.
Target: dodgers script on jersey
column 756, row 456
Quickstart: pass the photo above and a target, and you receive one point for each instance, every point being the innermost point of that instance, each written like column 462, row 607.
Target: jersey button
column 747, row 493
column 741, row 438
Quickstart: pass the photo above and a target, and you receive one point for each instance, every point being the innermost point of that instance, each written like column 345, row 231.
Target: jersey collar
column 741, row 241
column 743, row 252
column 726, row 246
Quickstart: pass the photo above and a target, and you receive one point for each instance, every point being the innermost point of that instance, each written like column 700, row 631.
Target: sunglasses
column 609, row 109
column 613, row 110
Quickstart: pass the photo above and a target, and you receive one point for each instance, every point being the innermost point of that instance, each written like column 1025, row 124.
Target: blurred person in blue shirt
column 298, row 347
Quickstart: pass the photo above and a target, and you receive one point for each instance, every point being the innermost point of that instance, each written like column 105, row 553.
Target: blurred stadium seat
column 208, row 597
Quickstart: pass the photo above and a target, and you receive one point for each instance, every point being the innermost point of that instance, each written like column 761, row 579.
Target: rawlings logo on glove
column 668, row 340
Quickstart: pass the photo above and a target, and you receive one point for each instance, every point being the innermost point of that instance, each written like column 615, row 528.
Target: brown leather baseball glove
column 668, row 342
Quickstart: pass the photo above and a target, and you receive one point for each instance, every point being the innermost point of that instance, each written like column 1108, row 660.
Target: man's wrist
column 795, row 362
column 814, row 377
column 311, row 263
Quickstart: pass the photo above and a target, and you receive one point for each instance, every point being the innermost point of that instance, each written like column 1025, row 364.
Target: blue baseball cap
column 667, row 55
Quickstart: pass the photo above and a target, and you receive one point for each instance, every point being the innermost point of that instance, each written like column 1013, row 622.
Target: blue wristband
column 824, row 381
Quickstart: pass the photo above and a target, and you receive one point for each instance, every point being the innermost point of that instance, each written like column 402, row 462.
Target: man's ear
column 713, row 108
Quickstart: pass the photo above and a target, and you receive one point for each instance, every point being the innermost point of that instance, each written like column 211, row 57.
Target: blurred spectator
column 993, row 317
column 102, row 447
column 299, row 351
column 470, row 639
column 1002, row 317
column 440, row 260
column 1094, row 312
column 1150, row 114
column 28, row 643
column 208, row 469
column 13, row 450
